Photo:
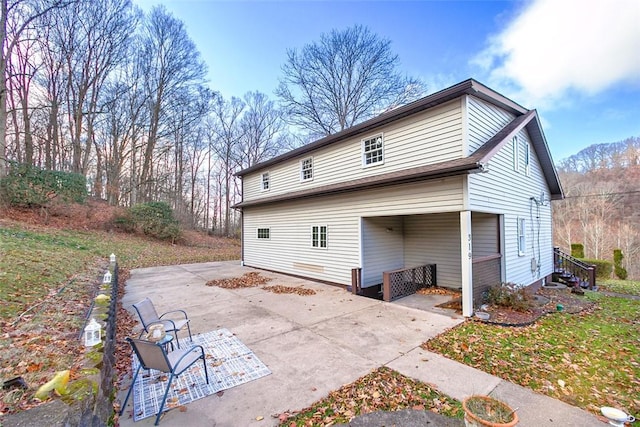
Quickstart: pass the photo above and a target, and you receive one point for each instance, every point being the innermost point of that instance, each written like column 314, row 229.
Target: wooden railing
column 400, row 283
column 580, row 270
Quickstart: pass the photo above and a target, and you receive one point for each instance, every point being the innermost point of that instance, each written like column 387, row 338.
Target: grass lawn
column 588, row 360
column 629, row 287
column 48, row 277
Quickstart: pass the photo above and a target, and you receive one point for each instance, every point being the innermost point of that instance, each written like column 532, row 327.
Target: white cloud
column 555, row 48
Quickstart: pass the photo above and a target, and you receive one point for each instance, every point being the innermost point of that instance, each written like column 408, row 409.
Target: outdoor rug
column 229, row 363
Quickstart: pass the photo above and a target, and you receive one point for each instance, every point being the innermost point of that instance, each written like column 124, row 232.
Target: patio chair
column 148, row 316
column 152, row 355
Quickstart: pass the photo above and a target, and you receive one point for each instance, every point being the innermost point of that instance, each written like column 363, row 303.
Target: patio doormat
column 229, row 363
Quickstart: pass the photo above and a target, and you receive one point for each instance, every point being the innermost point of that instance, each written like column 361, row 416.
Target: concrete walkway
column 315, row 344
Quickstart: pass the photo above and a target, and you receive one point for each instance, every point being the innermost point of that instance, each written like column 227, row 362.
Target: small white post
column 112, row 258
column 107, row 277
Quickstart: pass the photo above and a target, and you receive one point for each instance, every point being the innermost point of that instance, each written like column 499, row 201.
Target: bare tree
column 346, row 77
column 22, row 14
column 263, row 130
column 170, row 62
column 228, row 134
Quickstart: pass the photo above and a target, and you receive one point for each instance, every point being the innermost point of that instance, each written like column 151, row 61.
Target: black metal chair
column 148, row 316
column 152, row 355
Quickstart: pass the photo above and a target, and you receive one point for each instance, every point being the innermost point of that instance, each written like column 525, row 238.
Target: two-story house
column 461, row 179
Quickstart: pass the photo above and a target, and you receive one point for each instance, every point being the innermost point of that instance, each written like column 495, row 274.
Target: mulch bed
column 505, row 316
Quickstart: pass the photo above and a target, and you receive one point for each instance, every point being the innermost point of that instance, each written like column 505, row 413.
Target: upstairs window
column 527, row 157
column 319, row 236
column 373, row 151
column 264, row 233
column 265, row 181
column 306, row 169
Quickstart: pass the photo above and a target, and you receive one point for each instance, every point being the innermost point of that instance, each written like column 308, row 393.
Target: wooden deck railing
column 400, row 283
column 566, row 264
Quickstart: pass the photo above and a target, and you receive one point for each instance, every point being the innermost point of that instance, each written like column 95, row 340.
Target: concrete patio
column 315, row 344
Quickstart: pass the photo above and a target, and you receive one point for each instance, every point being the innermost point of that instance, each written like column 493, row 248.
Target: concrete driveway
column 312, row 344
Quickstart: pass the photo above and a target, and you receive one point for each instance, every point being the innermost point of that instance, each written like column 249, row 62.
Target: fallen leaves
column 254, row 279
column 280, row 289
column 247, row 280
column 382, row 390
column 588, row 359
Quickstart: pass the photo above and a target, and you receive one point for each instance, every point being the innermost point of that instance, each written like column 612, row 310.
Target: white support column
column 466, row 265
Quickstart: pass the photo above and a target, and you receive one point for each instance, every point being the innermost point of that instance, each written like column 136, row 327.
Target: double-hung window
column 306, row 169
column 527, row 158
column 521, row 236
column 373, row 151
column 264, row 233
column 265, row 181
column 319, row 236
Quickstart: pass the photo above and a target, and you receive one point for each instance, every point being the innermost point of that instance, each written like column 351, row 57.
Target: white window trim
column 514, row 145
column 521, row 236
column 302, row 179
column 363, row 154
column 263, row 228
column 527, row 158
column 262, row 181
column 326, row 237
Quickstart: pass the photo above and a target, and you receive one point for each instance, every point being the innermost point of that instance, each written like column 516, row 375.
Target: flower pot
column 485, row 411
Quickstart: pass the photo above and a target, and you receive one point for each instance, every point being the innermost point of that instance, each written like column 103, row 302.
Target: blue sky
column 576, row 61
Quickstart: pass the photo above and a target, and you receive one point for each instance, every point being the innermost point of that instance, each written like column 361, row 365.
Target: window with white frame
column 521, row 236
column 319, row 236
column 527, row 157
column 306, row 169
column 516, row 162
column 264, row 233
column 265, row 181
column 373, row 151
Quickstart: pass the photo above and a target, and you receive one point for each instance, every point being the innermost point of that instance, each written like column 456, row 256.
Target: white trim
column 326, row 237
column 516, row 152
column 363, row 153
column 521, row 235
column 262, row 181
column 466, row 264
column 268, row 233
column 302, row 161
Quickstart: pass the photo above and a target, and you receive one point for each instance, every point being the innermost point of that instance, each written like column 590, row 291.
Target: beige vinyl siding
column 429, row 137
column 484, row 229
column 435, row 239
column 382, row 248
column 289, row 247
column 503, row 190
column 484, row 121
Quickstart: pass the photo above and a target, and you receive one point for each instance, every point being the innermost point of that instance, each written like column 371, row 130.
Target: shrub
column 30, row 186
column 153, row 219
column 604, row 268
column 618, row 269
column 577, row 250
column 511, row 296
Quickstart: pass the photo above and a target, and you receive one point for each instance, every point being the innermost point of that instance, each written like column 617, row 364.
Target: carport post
column 466, row 264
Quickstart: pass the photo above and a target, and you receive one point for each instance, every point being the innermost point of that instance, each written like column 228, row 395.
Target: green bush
column 510, row 295
column 30, row 186
column 604, row 268
column 577, row 250
column 618, row 269
column 153, row 219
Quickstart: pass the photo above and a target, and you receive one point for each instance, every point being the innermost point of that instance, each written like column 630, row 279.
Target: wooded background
column 120, row 96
